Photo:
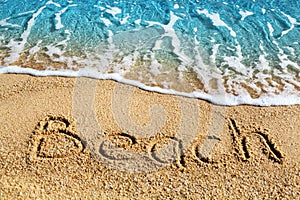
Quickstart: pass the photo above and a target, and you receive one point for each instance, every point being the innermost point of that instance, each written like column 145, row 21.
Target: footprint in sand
column 54, row 137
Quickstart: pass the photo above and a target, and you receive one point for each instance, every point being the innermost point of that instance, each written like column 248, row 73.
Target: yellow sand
column 202, row 151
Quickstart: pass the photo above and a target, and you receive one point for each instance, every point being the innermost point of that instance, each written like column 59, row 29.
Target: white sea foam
column 100, row 7
column 170, row 32
column 54, row 49
column 114, row 11
column 17, row 47
column 236, row 61
column 215, row 51
column 176, row 6
column 36, row 48
column 215, row 18
column 4, row 22
column 106, row 21
column 245, row 14
column 292, row 21
column 54, row 3
column 285, row 98
column 262, row 58
column 58, row 24
column 271, row 29
column 124, row 20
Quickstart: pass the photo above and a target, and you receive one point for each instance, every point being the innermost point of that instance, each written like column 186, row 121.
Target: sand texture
column 79, row 138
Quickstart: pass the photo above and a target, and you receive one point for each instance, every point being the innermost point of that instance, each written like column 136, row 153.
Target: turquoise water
column 247, row 51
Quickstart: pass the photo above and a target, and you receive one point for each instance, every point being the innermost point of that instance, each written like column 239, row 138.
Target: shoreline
column 197, row 149
column 223, row 99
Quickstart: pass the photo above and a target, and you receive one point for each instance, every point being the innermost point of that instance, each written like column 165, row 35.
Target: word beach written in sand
column 55, row 138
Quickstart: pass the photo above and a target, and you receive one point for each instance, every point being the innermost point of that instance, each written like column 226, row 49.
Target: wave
column 226, row 52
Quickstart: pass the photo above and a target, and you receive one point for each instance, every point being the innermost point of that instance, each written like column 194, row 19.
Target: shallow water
column 228, row 52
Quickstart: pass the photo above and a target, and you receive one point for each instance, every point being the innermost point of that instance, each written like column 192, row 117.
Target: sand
column 87, row 139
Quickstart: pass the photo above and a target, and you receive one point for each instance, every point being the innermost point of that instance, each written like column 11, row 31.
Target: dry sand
column 199, row 151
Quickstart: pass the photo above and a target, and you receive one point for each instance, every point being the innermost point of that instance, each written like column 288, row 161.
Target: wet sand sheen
column 190, row 148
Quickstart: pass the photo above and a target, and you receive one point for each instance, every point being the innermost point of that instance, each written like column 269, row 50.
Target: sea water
column 228, row 52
